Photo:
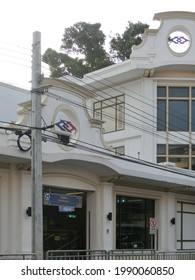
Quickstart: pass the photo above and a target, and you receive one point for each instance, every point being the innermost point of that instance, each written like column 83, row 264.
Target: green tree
column 83, row 49
column 121, row 45
column 62, row 64
column 83, row 41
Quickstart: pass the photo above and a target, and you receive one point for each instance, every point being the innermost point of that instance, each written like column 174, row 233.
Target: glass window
column 178, row 154
column 178, row 150
column 108, row 116
column 161, row 115
column 193, row 149
column 193, row 164
column 161, row 91
column 193, row 158
column 161, row 159
column 161, row 149
column 193, row 91
column 178, row 91
column 193, row 115
column 186, row 226
column 112, row 112
column 180, row 162
column 132, row 222
column 178, row 115
column 119, row 150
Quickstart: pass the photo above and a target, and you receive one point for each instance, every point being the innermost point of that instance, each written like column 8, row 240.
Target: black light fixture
column 109, row 216
column 29, row 212
column 173, row 221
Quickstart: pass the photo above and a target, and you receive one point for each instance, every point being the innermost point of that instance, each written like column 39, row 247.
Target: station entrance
column 64, row 219
column 132, row 222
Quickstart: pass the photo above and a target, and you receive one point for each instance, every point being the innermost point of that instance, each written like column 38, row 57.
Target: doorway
column 132, row 222
column 64, row 222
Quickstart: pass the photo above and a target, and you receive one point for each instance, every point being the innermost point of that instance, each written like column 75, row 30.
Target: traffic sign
column 153, row 225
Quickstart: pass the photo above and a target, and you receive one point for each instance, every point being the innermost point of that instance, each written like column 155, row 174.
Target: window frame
column 118, row 117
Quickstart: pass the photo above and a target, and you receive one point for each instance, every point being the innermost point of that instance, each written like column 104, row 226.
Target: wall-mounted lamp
column 29, row 212
column 109, row 216
column 173, row 221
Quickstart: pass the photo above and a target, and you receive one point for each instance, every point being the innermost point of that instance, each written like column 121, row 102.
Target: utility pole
column 36, row 160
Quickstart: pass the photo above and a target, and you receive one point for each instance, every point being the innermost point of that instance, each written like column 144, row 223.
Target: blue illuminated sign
column 54, row 199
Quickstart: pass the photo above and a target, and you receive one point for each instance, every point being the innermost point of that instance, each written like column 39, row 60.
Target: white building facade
column 121, row 182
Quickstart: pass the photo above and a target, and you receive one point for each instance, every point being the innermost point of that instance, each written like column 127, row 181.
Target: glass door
column 132, row 222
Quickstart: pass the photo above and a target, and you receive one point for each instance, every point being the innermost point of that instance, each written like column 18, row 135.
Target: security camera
column 63, row 136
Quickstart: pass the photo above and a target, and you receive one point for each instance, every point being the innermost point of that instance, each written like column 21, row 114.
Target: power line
column 97, row 149
column 54, row 96
column 129, row 105
column 145, row 129
column 183, row 137
column 16, row 46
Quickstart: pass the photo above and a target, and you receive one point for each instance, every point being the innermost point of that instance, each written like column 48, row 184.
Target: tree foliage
column 121, row 45
column 83, row 49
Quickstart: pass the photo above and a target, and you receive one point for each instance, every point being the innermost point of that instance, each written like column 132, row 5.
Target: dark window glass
column 161, row 115
column 193, row 115
column 132, row 222
column 161, row 149
column 178, row 91
column 178, row 150
column 161, row 159
column 193, row 149
column 193, row 92
column 178, row 115
column 193, row 164
column 161, row 91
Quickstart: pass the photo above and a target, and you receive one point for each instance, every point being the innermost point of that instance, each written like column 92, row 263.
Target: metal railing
column 76, row 255
column 178, row 255
column 124, row 254
column 19, row 256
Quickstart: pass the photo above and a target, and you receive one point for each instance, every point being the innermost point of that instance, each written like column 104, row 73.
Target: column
column 167, row 228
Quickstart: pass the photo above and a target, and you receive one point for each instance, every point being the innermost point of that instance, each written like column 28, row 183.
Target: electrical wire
column 104, row 152
column 153, row 130
column 135, row 108
column 108, row 116
column 15, row 46
column 74, row 104
column 100, row 150
column 144, row 113
column 116, row 89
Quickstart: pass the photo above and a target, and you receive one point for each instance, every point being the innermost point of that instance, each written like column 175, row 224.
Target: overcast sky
column 20, row 18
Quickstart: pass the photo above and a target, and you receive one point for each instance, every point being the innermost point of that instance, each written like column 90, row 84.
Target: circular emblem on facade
column 179, row 41
column 66, row 123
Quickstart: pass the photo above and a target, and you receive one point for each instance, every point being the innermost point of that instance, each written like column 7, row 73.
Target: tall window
column 185, row 226
column 176, row 113
column 112, row 112
column 175, row 108
column 132, row 222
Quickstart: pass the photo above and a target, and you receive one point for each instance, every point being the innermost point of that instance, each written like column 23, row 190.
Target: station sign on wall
column 61, row 200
